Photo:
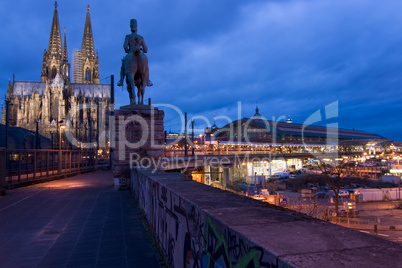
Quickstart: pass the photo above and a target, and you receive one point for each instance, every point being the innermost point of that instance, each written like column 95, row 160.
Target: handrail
column 27, row 166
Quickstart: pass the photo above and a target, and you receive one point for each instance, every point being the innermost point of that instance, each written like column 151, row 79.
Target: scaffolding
column 77, row 67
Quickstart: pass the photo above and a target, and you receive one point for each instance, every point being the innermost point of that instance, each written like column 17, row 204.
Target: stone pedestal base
column 139, row 138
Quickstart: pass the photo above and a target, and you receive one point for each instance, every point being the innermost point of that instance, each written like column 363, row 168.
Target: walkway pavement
column 80, row 221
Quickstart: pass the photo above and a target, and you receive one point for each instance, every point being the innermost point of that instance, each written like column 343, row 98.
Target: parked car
column 343, row 193
column 282, row 175
column 321, row 195
column 274, row 177
column 264, row 192
column 250, row 190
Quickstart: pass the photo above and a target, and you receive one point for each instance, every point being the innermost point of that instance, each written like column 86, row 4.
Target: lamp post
column 185, row 134
column 7, row 123
column 37, row 135
column 192, row 138
column 200, row 143
column 205, row 148
column 61, row 127
column 263, row 173
column 248, row 186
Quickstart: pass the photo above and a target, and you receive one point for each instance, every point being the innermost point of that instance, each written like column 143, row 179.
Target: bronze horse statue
column 135, row 65
column 137, row 75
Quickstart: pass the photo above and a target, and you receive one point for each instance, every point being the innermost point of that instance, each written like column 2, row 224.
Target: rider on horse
column 134, row 45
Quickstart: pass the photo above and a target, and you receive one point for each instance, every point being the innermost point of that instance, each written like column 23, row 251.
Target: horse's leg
column 143, row 85
column 130, row 95
column 144, row 82
column 130, row 79
column 144, row 72
column 137, row 82
column 139, row 94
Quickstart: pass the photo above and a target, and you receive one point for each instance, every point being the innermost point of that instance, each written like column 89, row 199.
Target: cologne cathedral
column 77, row 101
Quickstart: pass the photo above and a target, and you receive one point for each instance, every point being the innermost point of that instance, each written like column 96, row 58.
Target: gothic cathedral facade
column 75, row 99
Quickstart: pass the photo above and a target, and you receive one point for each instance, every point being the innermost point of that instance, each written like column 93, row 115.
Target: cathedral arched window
column 54, row 72
column 87, row 75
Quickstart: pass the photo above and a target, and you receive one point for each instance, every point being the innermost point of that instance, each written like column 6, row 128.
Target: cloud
column 291, row 57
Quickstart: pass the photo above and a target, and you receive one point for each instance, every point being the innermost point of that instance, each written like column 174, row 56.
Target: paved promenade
column 80, row 221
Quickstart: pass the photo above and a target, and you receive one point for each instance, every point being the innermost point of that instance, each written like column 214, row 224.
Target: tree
column 334, row 171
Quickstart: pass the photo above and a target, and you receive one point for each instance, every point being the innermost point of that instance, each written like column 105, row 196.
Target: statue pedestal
column 139, row 138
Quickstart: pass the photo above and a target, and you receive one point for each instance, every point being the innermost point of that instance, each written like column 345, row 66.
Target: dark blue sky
column 289, row 57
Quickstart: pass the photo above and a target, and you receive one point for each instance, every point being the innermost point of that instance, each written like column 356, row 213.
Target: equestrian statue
column 135, row 65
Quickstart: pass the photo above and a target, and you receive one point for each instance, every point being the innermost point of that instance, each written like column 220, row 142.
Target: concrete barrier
column 200, row 226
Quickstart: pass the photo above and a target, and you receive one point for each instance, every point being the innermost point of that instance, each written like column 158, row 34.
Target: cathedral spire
column 55, row 59
column 65, row 55
column 87, row 47
column 65, row 65
column 55, row 37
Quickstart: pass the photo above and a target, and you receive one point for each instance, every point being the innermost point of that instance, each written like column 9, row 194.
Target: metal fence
column 28, row 166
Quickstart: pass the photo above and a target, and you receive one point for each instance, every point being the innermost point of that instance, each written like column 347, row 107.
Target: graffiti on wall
column 230, row 250
column 192, row 238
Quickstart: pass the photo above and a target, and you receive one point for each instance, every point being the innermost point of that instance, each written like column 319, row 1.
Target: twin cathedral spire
column 41, row 106
column 55, row 59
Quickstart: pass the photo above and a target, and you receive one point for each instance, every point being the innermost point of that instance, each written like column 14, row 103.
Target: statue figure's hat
column 133, row 25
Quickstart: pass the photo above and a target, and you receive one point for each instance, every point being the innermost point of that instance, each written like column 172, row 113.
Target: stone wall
column 200, row 226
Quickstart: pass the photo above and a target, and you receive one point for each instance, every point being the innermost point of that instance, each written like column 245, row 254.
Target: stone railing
column 200, row 226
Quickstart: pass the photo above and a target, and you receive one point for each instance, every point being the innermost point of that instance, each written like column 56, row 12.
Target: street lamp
column 201, row 142
column 61, row 127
